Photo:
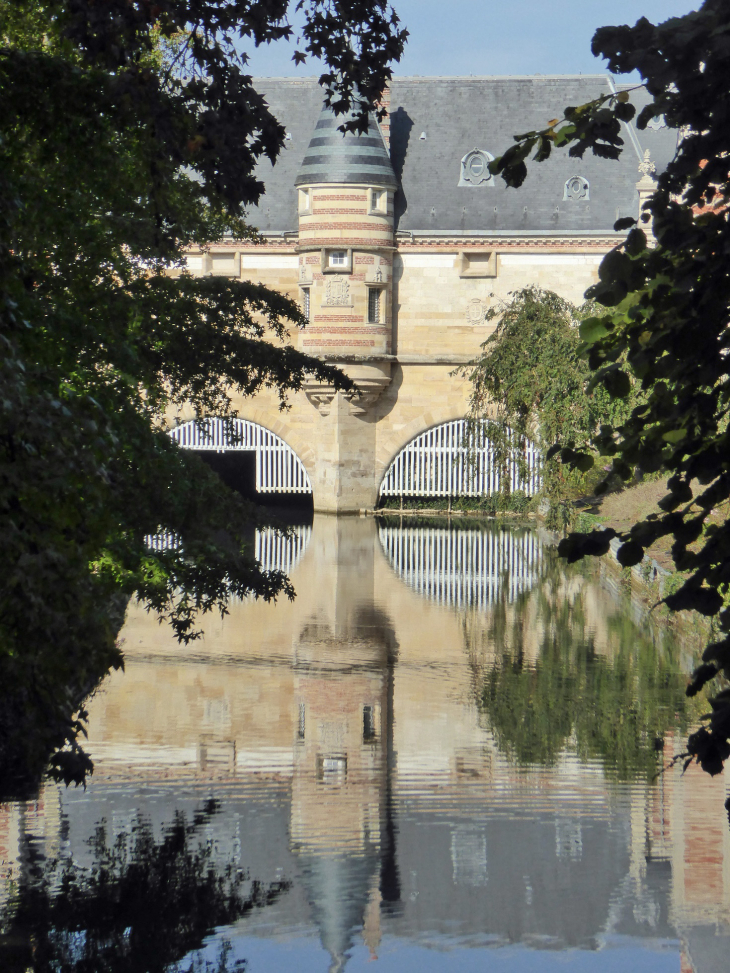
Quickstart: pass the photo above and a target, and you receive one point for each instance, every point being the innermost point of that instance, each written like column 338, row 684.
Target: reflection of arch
column 455, row 460
column 273, row 551
column 463, row 568
column 281, row 552
column 278, row 468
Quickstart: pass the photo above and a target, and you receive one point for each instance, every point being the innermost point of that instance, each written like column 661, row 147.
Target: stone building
column 396, row 243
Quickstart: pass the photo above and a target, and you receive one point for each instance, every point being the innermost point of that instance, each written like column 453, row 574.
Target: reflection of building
column 341, row 735
column 340, row 803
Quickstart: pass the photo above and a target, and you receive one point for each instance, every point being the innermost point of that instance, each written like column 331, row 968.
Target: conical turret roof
column 336, row 157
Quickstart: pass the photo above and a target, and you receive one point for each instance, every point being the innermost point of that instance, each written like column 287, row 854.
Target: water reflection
column 137, row 903
column 277, row 552
column 448, row 775
column 553, row 686
column 462, row 567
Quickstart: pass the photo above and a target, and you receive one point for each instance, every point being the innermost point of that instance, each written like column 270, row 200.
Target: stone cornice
column 565, row 243
column 504, row 244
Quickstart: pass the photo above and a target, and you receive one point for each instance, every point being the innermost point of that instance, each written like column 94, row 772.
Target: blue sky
column 462, row 37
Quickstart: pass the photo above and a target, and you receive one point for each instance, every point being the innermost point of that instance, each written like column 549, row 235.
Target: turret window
column 378, row 201
column 336, row 261
column 304, row 201
column 305, row 302
column 374, row 305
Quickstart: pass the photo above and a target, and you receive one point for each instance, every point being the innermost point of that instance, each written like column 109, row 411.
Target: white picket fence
column 453, row 460
column 278, row 468
column 463, row 568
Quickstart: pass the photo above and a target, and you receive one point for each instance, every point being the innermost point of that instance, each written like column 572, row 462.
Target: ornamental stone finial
column 647, row 167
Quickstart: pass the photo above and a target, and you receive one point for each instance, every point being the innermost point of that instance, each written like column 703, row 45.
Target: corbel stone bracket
column 366, row 395
column 370, row 381
column 320, row 396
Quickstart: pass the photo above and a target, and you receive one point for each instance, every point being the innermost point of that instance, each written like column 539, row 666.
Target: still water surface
column 441, row 756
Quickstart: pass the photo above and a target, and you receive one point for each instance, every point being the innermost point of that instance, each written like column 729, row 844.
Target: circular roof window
column 475, row 169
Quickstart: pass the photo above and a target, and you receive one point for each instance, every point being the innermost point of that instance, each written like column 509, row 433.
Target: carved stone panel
column 475, row 311
column 337, row 292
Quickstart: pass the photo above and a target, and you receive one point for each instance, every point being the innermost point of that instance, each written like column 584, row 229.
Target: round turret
column 345, row 188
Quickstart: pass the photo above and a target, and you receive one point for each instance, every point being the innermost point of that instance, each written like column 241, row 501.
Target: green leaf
column 592, row 330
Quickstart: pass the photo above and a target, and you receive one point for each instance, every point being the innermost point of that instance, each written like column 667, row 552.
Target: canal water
column 442, row 755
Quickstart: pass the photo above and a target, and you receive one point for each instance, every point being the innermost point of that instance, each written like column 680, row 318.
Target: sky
column 464, row 37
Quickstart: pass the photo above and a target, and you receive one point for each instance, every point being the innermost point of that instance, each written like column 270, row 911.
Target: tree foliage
column 530, row 381
column 129, row 131
column 665, row 317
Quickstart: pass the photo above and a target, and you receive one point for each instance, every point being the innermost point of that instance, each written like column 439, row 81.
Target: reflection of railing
column 463, row 568
column 277, row 553
column 454, row 460
column 274, row 552
column 163, row 540
column 278, row 468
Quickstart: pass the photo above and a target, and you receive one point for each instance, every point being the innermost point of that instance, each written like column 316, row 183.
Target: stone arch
column 393, row 440
column 264, row 410
column 279, row 469
column 450, row 459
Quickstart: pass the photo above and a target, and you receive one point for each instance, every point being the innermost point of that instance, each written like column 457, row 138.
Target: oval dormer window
column 577, row 187
column 475, row 169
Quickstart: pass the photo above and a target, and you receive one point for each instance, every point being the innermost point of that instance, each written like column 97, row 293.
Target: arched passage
column 278, row 468
column 456, row 459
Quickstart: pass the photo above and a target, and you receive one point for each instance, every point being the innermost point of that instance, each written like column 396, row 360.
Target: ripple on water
column 442, row 753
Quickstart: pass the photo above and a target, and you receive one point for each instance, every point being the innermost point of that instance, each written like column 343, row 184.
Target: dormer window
column 577, row 187
column 338, row 258
column 475, row 169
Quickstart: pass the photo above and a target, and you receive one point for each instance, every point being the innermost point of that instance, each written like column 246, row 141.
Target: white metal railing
column 463, row 568
column 278, row 468
column 273, row 551
column 454, row 460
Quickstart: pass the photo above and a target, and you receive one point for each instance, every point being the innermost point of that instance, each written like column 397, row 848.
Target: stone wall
column 441, row 292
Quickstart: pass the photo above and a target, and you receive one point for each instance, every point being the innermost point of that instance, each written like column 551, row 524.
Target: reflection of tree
column 142, row 907
column 614, row 708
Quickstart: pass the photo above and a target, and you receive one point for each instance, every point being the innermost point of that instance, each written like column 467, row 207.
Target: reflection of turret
column 30, row 832
column 341, row 828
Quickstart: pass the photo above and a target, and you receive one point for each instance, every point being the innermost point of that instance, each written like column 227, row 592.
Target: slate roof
column 457, row 115
column 336, row 157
